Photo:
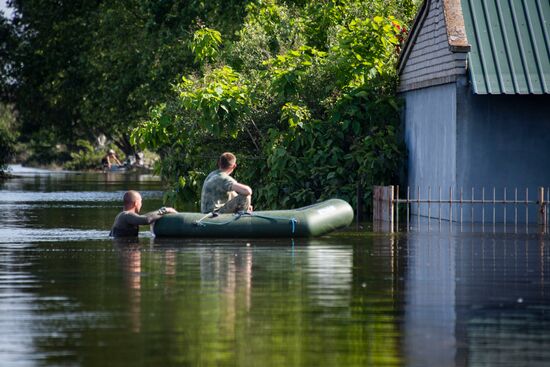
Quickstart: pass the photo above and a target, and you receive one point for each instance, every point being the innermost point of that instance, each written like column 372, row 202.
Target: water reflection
column 15, row 234
column 483, row 300
column 69, row 295
column 330, row 276
column 503, row 298
column 130, row 259
column 295, row 303
column 430, row 301
column 64, row 206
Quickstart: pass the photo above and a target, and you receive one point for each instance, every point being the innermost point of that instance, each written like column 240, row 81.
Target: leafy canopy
column 305, row 97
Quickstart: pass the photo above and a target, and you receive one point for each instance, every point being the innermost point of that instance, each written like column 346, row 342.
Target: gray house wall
column 430, row 136
column 503, row 141
column 459, row 139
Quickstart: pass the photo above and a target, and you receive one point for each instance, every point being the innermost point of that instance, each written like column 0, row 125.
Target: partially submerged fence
column 503, row 208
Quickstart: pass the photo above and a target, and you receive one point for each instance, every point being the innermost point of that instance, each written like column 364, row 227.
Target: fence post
column 391, row 206
column 542, row 210
column 359, row 211
column 383, row 208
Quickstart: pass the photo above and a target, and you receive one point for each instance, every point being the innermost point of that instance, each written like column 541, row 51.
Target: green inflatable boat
column 313, row 220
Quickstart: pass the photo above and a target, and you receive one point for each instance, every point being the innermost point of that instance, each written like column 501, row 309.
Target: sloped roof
column 507, row 41
column 456, row 34
column 510, row 45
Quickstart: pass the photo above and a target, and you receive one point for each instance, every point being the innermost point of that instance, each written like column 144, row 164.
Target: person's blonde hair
column 226, row 160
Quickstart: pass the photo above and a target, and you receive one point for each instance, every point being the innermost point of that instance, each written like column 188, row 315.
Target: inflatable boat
column 309, row 221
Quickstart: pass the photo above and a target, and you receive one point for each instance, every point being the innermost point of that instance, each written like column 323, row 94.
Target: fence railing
column 478, row 207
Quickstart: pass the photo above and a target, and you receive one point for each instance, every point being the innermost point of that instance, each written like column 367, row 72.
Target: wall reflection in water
column 430, row 301
column 476, row 300
column 414, row 299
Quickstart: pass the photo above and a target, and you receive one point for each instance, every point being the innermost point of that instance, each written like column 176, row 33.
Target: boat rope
column 201, row 223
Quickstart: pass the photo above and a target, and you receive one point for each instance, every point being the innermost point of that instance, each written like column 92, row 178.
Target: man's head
column 227, row 161
column 132, row 200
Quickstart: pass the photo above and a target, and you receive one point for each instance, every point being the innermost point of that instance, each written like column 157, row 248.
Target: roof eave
column 460, row 49
column 454, row 23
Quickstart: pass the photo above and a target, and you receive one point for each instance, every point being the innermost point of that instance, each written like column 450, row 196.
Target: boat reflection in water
column 73, row 296
column 289, row 299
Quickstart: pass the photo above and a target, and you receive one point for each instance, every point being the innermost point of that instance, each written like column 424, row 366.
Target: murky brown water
column 70, row 296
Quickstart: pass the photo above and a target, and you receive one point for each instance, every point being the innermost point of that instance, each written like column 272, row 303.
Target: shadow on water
column 69, row 295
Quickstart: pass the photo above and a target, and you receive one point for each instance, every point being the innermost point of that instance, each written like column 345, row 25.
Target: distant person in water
column 221, row 193
column 110, row 159
column 128, row 221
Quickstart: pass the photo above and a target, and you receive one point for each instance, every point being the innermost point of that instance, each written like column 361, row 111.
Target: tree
column 49, row 84
column 8, row 42
column 87, row 67
column 305, row 97
column 7, row 136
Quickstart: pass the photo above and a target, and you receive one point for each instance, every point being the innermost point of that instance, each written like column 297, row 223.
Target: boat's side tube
column 327, row 216
column 313, row 220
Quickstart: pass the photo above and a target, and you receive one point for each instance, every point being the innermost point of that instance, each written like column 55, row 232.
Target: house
column 475, row 78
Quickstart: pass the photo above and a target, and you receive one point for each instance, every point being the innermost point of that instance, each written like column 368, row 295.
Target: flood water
column 71, row 296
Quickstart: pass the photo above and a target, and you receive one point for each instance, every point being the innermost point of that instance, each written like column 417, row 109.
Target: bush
column 306, row 100
column 87, row 157
column 7, row 136
column 43, row 150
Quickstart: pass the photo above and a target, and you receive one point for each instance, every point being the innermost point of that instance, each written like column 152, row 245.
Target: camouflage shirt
column 216, row 191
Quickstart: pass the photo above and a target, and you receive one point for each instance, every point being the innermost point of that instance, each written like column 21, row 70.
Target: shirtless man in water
column 128, row 221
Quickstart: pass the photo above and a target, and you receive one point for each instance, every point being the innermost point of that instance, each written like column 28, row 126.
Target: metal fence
column 500, row 208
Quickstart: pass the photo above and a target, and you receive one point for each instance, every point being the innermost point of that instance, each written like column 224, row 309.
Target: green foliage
column 216, row 100
column 7, row 135
column 85, row 68
column 47, row 68
column 296, row 116
column 365, row 48
column 154, row 131
column 302, row 91
column 8, row 42
column 7, row 149
column 44, row 151
column 289, row 73
column 205, row 45
column 325, row 159
column 305, row 98
column 88, row 157
column 282, row 25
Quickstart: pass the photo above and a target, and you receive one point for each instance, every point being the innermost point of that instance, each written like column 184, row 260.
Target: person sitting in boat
column 140, row 160
column 128, row 221
column 110, row 159
column 221, row 193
